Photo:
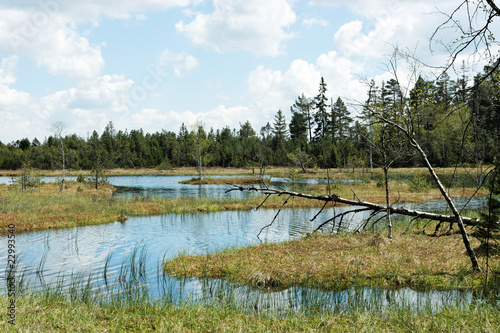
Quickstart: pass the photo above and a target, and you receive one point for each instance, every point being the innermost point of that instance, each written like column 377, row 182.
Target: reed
column 46, row 207
column 124, row 303
column 341, row 261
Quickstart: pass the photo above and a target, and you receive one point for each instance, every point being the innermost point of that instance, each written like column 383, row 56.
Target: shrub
column 380, row 182
column 418, row 184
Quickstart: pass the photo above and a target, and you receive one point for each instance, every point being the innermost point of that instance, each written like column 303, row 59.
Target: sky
column 155, row 64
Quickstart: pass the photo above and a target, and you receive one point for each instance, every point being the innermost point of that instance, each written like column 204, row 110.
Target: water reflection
column 48, row 256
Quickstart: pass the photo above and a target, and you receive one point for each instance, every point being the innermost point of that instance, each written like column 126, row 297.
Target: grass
column 270, row 171
column 342, row 261
column 225, row 180
column 46, row 207
column 36, row 314
column 126, row 307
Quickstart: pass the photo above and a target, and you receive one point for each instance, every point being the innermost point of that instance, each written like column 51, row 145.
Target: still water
column 46, row 256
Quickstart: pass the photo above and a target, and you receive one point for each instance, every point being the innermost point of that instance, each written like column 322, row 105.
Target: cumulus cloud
column 155, row 120
column 309, row 22
column 387, row 24
column 97, row 95
column 258, row 26
column 181, row 64
column 11, row 99
column 52, row 41
column 274, row 90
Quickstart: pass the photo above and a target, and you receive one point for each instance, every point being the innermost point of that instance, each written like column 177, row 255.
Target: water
column 170, row 186
column 48, row 255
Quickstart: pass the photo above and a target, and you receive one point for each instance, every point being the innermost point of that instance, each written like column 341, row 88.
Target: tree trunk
column 456, row 213
column 388, row 203
column 367, row 204
column 63, row 165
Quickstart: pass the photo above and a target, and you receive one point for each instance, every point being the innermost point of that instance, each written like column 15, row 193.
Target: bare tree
column 58, row 128
column 475, row 34
column 405, row 122
column 300, row 158
column 201, row 145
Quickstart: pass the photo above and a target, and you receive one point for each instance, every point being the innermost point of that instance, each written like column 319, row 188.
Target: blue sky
column 154, row 64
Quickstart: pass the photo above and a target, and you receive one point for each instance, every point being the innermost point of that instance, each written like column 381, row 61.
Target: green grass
column 38, row 314
column 46, row 207
column 342, row 261
column 126, row 305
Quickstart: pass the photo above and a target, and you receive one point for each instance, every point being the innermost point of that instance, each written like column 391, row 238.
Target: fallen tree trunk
column 372, row 206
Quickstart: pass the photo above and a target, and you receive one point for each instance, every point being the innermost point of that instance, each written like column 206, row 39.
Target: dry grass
column 399, row 191
column 47, row 207
column 225, row 180
column 270, row 170
column 339, row 261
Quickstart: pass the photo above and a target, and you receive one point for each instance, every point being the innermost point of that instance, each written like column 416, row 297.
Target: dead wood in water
column 369, row 206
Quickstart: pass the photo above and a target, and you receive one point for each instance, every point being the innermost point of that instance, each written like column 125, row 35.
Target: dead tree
column 361, row 206
column 58, row 129
column 474, row 34
column 458, row 218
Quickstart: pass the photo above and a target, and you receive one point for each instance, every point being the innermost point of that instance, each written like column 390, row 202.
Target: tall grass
column 123, row 301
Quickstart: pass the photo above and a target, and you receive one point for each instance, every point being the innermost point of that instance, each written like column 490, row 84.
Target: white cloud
column 52, row 41
column 11, row 99
column 309, row 22
column 7, row 67
column 153, row 120
column 97, row 95
column 181, row 64
column 386, row 24
column 274, row 90
column 258, row 26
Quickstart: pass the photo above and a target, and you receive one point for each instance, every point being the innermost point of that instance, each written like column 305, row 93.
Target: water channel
column 56, row 255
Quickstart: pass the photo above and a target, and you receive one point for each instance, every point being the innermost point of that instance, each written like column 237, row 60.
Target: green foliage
column 293, row 180
column 418, row 184
column 165, row 165
column 28, row 179
column 488, row 230
column 380, row 182
column 97, row 177
column 322, row 129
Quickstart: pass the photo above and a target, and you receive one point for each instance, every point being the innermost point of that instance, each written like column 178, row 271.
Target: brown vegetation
column 339, row 261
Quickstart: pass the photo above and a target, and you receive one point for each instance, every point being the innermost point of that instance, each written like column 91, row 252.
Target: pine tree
column 280, row 130
column 340, row 120
column 488, row 231
column 300, row 124
column 321, row 116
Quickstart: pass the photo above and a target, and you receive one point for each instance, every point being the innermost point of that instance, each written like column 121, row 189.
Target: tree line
column 454, row 123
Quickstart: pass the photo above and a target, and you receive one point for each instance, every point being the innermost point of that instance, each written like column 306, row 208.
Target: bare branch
column 270, row 224
column 372, row 206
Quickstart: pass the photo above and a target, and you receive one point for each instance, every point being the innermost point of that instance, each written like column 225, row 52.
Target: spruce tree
column 300, row 124
column 321, row 116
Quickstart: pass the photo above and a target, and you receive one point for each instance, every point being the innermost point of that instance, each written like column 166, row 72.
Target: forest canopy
column 457, row 121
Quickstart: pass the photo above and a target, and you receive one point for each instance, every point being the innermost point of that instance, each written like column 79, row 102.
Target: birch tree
column 58, row 129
